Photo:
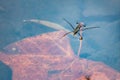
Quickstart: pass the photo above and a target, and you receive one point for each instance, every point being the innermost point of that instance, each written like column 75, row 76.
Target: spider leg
column 81, row 38
column 69, row 23
column 66, row 34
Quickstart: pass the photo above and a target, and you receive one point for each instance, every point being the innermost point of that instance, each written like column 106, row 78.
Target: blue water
column 98, row 45
column 5, row 72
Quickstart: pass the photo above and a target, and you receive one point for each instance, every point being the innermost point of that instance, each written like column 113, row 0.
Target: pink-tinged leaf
column 45, row 44
column 48, row 57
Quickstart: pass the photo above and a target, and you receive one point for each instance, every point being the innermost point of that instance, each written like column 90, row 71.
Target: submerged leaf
column 47, row 57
